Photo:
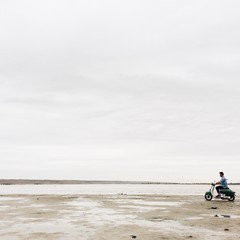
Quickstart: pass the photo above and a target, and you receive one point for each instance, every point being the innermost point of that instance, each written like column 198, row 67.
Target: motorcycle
column 225, row 194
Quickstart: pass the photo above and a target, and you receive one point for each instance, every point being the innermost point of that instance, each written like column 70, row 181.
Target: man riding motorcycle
column 223, row 184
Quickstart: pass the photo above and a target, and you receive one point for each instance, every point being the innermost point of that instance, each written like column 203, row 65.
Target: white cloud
column 102, row 83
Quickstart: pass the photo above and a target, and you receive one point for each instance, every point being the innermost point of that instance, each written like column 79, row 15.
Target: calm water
column 105, row 189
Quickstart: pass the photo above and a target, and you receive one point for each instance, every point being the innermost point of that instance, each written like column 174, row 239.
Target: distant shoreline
column 47, row 181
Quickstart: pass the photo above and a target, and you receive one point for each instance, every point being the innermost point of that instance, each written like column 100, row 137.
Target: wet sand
column 117, row 217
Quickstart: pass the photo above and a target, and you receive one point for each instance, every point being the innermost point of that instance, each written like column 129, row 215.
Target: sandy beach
column 117, row 217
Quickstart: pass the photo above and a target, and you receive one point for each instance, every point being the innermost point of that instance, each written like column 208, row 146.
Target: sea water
column 62, row 189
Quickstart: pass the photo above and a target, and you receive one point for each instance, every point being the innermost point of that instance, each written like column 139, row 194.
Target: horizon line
column 12, row 181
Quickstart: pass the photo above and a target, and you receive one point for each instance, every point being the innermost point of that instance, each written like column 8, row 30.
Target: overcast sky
column 120, row 90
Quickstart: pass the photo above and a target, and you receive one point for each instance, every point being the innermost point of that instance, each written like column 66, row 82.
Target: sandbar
column 117, row 217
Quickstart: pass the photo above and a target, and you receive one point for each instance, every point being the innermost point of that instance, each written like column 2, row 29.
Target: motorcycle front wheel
column 208, row 197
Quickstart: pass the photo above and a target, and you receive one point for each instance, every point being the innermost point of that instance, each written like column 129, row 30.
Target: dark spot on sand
column 226, row 216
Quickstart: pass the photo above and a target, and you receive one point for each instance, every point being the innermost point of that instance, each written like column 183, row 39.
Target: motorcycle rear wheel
column 232, row 198
column 208, row 197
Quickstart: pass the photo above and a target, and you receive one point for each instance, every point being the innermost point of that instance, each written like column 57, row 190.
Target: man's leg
column 218, row 188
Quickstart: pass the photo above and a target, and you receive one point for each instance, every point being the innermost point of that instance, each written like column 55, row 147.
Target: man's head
column 221, row 174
